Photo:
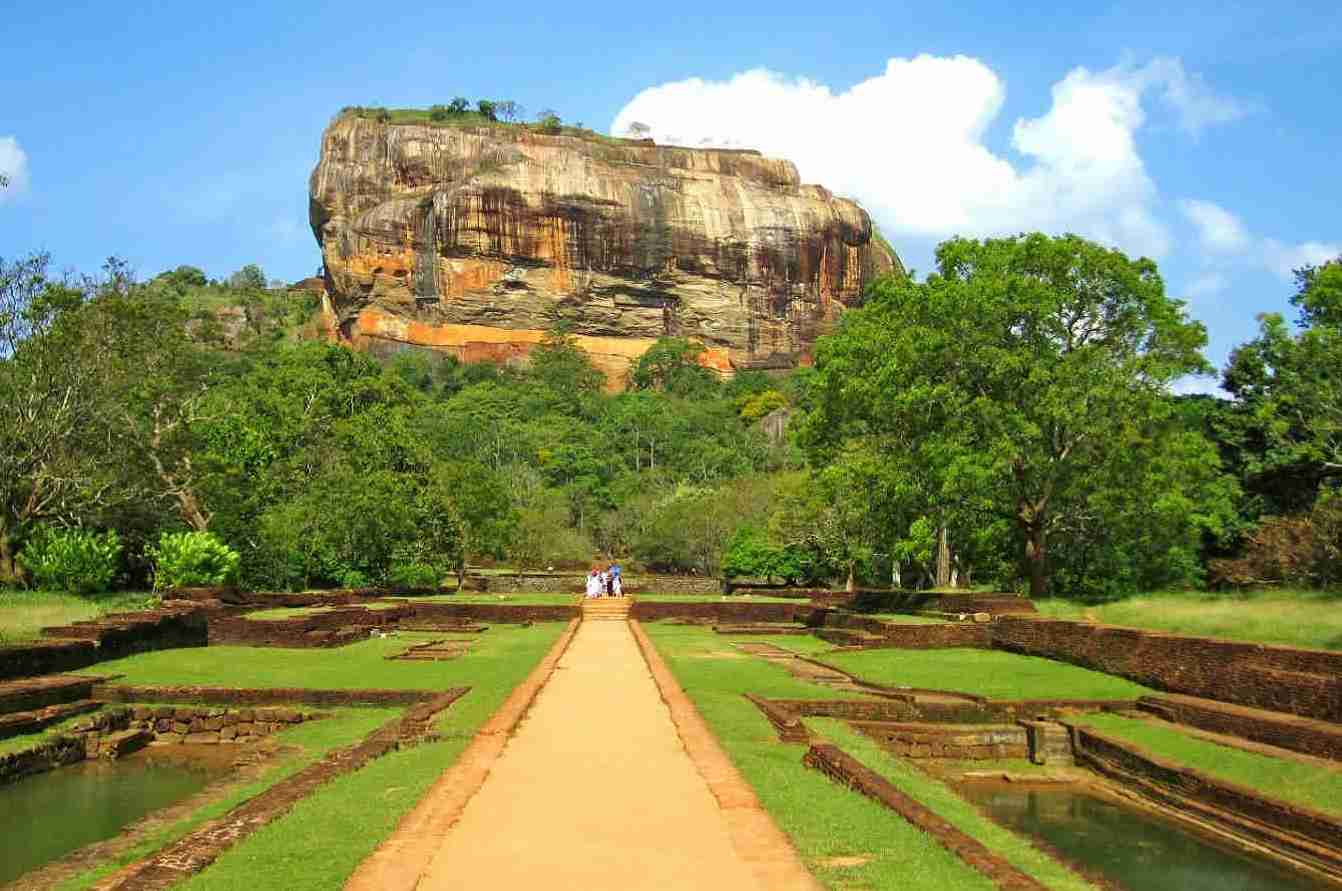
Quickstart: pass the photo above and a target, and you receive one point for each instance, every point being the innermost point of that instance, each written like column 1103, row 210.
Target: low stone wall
column 1298, row 833
column 843, row 768
column 1283, row 679
column 969, row 742
column 111, row 637
column 340, row 626
column 909, row 709
column 1311, row 737
column 909, row 636
column 264, row 696
column 721, row 611
column 203, row 724
column 877, row 601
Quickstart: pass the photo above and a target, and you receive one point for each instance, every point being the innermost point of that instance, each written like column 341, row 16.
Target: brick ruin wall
column 722, row 611
column 1283, row 679
column 88, row 643
column 908, row 636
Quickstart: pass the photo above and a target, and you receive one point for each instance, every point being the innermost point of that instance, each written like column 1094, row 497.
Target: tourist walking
column 616, row 580
column 593, row 583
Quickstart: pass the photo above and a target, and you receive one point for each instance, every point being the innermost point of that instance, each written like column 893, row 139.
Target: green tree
column 1283, row 432
column 671, row 366
column 487, row 109
column 1022, row 375
column 249, row 278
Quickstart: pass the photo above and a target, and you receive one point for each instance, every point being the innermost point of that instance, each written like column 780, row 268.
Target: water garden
column 909, row 739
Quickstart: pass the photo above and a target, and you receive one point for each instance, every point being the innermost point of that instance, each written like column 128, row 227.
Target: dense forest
column 1008, row 421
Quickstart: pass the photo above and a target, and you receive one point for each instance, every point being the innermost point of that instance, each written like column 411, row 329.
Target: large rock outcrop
column 477, row 240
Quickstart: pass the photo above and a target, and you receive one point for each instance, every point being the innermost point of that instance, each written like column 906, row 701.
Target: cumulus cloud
column 910, row 143
column 1207, row 285
column 1219, row 230
column 1284, row 259
column 1221, row 233
column 13, row 166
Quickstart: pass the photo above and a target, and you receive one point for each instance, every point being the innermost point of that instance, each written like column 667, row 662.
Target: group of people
column 605, row 582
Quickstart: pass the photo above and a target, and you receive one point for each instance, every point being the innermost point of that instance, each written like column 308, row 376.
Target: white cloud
column 909, row 143
column 13, row 166
column 1198, row 385
column 1196, row 104
column 1207, row 285
column 1219, row 230
column 1222, row 233
column 1284, row 259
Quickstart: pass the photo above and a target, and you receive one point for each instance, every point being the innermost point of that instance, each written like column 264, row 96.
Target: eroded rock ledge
column 476, row 240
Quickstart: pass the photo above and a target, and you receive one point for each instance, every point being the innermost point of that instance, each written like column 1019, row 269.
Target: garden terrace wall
column 905, row 636
column 721, row 611
column 1299, row 833
column 970, row 742
column 1302, row 682
column 111, row 637
column 1312, row 737
column 783, row 713
column 203, row 724
column 847, row 770
column 108, row 692
column 887, row 601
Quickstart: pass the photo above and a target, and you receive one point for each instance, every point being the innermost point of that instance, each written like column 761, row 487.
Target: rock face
column 478, row 240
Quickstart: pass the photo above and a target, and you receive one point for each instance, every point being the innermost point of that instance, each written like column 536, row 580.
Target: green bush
column 186, row 559
column 75, row 560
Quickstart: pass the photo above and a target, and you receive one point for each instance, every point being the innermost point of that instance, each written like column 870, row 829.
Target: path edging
column 765, row 847
column 401, row 860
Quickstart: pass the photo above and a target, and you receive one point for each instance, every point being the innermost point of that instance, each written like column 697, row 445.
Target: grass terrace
column 847, row 840
column 989, row 673
column 1310, row 619
column 1294, row 781
column 716, row 598
column 360, row 665
column 23, row 614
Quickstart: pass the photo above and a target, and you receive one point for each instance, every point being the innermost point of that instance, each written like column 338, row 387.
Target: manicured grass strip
column 824, row 820
column 503, row 597
column 23, row 614
column 1287, row 780
column 292, row 612
column 1292, row 618
column 804, row 644
column 319, row 843
column 990, row 673
column 905, row 619
column 309, row 742
column 356, row 666
column 951, row 807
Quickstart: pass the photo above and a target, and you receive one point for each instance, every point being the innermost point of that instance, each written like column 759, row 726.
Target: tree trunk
column 852, row 579
column 943, row 558
column 9, row 571
column 1036, row 557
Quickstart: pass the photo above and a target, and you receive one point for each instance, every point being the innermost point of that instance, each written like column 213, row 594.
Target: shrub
column 75, row 560
column 186, row 559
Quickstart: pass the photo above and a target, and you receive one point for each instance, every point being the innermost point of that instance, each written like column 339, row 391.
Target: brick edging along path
column 398, row 863
column 838, row 765
column 760, row 842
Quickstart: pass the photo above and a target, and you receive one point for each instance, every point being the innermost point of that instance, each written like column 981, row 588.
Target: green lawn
column 305, row 744
column 959, row 813
column 23, row 614
column 824, row 820
column 1285, row 779
column 906, row 619
column 1295, row 618
column 319, row 843
column 989, row 673
column 513, row 599
column 359, row 665
column 293, row 612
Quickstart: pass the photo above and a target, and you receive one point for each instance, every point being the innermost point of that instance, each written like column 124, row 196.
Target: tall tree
column 1018, row 375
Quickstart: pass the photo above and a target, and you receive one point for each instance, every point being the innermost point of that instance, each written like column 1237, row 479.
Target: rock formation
column 477, row 240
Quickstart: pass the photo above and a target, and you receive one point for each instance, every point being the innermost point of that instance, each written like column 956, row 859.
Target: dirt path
column 594, row 791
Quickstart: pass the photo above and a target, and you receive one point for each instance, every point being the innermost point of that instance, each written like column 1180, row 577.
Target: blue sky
column 1203, row 135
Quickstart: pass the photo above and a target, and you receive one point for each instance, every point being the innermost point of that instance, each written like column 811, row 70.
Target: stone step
column 123, row 742
column 18, row 723
column 30, row 694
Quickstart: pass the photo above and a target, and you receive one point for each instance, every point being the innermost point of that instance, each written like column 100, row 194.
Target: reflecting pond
column 45, row 817
column 1130, row 848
